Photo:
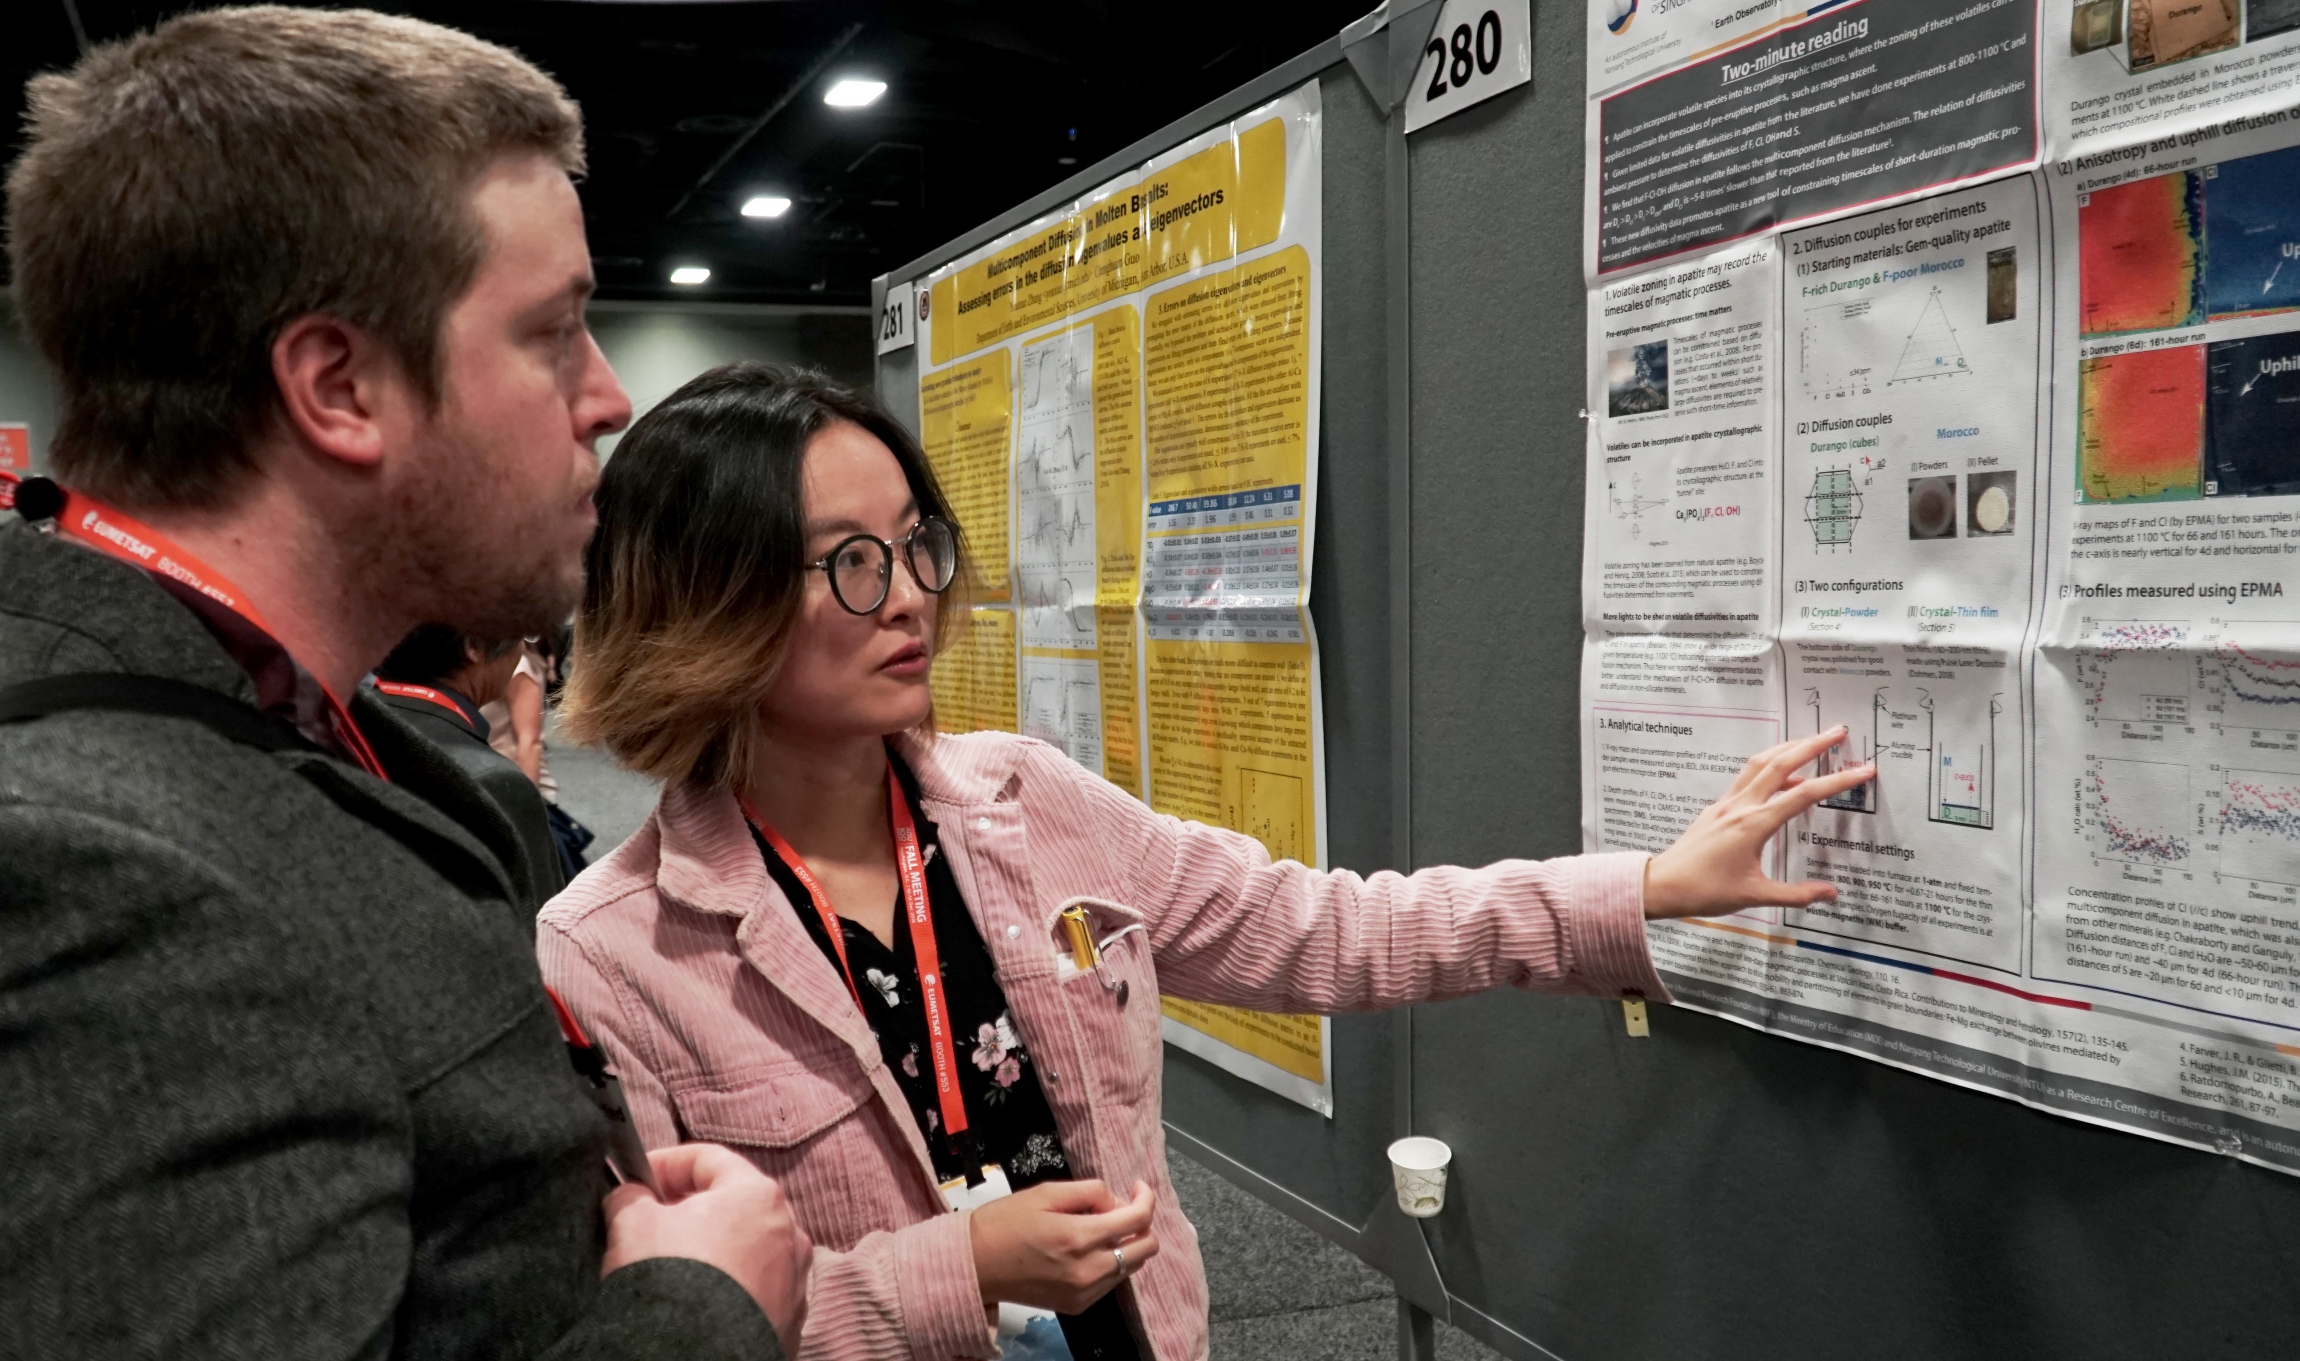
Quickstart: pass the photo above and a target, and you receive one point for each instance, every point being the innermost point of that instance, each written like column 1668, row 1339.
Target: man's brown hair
column 185, row 193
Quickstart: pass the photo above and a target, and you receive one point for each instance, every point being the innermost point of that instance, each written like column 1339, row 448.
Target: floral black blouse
column 1006, row 1111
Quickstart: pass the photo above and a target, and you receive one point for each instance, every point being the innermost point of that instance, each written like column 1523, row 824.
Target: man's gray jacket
column 278, row 1070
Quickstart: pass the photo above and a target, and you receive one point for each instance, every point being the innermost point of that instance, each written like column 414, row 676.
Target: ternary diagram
column 1932, row 349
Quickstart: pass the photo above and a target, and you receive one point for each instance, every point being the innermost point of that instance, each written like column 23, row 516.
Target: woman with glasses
column 915, row 978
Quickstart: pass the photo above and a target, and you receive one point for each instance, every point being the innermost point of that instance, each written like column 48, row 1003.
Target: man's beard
column 472, row 557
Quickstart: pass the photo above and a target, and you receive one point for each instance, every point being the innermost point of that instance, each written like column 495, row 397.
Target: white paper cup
column 1418, row 1166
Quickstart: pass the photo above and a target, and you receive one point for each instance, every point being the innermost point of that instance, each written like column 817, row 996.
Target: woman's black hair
column 699, row 563
column 712, row 475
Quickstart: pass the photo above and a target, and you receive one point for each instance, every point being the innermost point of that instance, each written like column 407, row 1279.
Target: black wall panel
column 1336, row 1165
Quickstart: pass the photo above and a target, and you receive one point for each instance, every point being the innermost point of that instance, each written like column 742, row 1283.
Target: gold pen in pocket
column 1082, row 951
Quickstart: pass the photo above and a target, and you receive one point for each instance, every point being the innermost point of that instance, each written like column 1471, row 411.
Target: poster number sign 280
column 1478, row 49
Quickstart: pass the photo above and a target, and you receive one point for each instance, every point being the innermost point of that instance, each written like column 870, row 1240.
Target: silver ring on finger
column 1120, row 1254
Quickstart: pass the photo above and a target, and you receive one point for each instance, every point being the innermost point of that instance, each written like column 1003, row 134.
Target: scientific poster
column 1681, row 675
column 973, row 679
column 1848, row 105
column 1631, row 39
column 2030, row 501
column 2125, row 67
column 2167, row 746
column 1123, row 395
column 1910, row 396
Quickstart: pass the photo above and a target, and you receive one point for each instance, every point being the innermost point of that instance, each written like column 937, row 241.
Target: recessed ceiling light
column 853, row 93
column 690, row 275
column 766, row 205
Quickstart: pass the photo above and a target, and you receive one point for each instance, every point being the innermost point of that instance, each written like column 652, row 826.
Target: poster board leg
column 1417, row 1333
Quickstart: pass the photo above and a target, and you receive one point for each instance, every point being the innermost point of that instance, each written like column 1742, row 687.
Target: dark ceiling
column 987, row 105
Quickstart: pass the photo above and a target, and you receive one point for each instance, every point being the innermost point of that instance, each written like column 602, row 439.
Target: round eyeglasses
column 861, row 568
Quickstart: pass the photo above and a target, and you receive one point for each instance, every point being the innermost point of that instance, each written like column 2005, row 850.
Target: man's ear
column 336, row 385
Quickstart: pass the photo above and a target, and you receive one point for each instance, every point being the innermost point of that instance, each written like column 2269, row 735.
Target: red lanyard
column 91, row 522
column 910, row 864
column 423, row 692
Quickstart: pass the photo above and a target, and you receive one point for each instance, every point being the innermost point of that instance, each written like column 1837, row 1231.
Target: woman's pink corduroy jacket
column 683, row 958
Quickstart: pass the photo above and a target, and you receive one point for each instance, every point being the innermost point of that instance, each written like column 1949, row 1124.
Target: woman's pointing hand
column 1715, row 867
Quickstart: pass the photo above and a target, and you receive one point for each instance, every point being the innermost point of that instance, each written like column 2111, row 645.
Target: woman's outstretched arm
column 1228, row 926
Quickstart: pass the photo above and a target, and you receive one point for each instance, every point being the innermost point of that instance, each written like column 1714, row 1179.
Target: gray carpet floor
column 1279, row 1292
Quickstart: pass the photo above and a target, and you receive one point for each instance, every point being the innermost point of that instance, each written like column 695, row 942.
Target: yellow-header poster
column 973, row 680
column 1154, row 470
column 1233, row 731
column 966, row 422
column 1221, row 202
column 1229, row 365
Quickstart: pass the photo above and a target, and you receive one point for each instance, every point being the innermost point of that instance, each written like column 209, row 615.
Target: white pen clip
column 1102, row 948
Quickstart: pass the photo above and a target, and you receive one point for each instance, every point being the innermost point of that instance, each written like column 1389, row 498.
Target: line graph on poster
column 2139, row 814
column 2252, row 682
column 1056, row 462
column 2252, row 817
column 2249, row 688
column 1062, row 705
column 1054, row 569
column 1058, row 375
column 1832, row 362
column 2135, row 671
column 1061, row 524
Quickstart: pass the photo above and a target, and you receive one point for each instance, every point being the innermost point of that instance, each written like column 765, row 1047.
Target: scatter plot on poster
column 2138, row 812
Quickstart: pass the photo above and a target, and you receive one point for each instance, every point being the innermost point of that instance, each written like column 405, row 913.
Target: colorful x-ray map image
column 2140, row 426
column 2252, row 235
column 2255, row 416
column 2140, row 256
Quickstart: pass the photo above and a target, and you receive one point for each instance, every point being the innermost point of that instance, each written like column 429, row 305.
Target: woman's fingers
column 1125, row 1222
column 1789, row 756
column 1768, row 769
column 1074, row 1197
column 1790, row 802
column 1139, row 1250
column 1778, row 894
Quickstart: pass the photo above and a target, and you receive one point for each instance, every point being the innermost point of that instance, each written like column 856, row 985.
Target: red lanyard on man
column 86, row 520
column 910, row 865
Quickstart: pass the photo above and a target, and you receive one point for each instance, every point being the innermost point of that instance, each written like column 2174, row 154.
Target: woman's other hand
column 1714, row 868
column 1056, row 1245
